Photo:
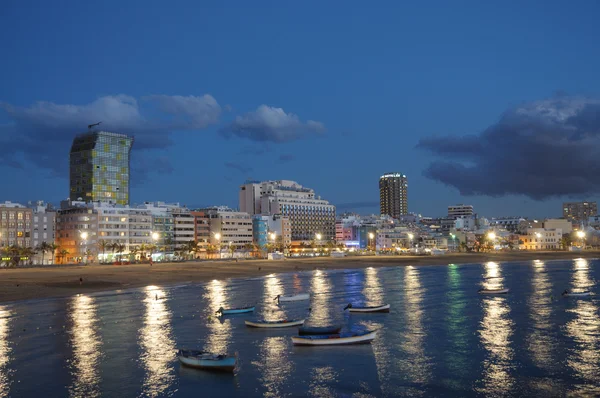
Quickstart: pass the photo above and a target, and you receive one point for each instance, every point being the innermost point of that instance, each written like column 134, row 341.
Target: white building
column 43, row 227
column 183, row 226
column 458, row 211
column 309, row 215
column 542, row 239
column 511, row 224
column 229, row 228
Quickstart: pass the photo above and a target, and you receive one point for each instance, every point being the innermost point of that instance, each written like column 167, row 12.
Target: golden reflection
column 276, row 367
column 456, row 321
column 417, row 364
column 320, row 288
column 495, row 332
column 5, row 351
column 272, row 289
column 372, row 290
column 540, row 341
column 321, row 378
column 219, row 333
column 158, row 348
column 86, row 348
column 584, row 329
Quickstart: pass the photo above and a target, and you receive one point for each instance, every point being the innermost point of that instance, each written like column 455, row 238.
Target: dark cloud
column 543, row 149
column 355, row 205
column 41, row 134
column 268, row 124
column 285, row 158
column 238, row 166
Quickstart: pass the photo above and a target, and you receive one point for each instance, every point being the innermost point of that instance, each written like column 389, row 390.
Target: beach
column 36, row 283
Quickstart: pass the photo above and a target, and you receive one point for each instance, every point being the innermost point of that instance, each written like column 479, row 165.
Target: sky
column 495, row 104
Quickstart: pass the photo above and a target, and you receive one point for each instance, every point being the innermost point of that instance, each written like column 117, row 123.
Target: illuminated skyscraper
column 100, row 167
column 393, row 194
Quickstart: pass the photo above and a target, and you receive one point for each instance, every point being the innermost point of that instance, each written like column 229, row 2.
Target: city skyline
column 343, row 82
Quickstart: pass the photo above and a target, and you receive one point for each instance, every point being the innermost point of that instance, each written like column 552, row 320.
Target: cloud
column 41, row 134
column 239, row 167
column 146, row 163
column 268, row 124
column 285, row 158
column 543, row 149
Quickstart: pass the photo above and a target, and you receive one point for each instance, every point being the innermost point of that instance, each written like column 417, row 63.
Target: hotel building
column 99, row 167
column 15, row 225
column 228, row 227
column 393, row 195
column 579, row 211
column 459, row 211
column 307, row 213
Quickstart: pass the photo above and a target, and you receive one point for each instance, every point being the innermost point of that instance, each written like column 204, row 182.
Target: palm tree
column 103, row 245
column 88, row 254
column 62, row 254
column 52, row 247
column 190, row 247
column 28, row 252
column 232, row 249
column 43, row 248
column 249, row 247
column 119, row 248
column 133, row 252
column 143, row 249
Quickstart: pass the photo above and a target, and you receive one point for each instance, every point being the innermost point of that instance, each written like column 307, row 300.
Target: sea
column 440, row 339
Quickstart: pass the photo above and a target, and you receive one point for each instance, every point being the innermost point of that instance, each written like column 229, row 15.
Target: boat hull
column 315, row 331
column 380, row 309
column 297, row 297
column 237, row 311
column 582, row 294
column 224, row 365
column 334, row 340
column 496, row 291
column 275, row 325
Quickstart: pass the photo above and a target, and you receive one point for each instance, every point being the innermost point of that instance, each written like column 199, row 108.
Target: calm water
column 440, row 339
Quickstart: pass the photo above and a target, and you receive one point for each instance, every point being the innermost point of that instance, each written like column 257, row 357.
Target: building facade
column 579, row 211
column 76, row 231
column 307, row 213
column 43, row 229
column 458, row 211
column 541, row 239
column 183, row 227
column 393, row 195
column 99, row 167
column 15, row 225
column 229, row 228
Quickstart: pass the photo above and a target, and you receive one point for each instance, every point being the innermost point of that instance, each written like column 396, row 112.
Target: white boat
column 276, row 324
column 231, row 311
column 335, row 339
column 376, row 308
column 206, row 360
column 297, row 297
column 566, row 293
column 493, row 291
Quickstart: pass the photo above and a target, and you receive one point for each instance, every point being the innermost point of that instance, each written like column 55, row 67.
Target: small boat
column 312, row 330
column 336, row 339
column 206, row 360
column 566, row 293
column 493, row 291
column 231, row 311
column 376, row 308
column 297, row 297
column 275, row 324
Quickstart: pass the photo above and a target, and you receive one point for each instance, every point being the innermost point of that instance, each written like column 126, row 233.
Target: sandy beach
column 35, row 283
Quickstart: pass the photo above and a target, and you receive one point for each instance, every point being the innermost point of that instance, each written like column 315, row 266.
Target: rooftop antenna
column 92, row 125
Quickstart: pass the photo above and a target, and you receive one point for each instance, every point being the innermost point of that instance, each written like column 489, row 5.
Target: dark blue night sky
column 497, row 105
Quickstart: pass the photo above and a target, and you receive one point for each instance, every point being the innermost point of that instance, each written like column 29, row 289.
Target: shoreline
column 23, row 284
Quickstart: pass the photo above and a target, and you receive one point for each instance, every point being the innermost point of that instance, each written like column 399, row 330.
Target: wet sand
column 36, row 283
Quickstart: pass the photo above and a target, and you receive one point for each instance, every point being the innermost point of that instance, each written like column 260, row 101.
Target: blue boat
column 206, row 360
column 230, row 311
column 316, row 330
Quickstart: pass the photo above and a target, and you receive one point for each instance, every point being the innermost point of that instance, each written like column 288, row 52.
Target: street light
column 580, row 234
column 154, row 236
column 371, row 236
column 318, row 236
column 491, row 236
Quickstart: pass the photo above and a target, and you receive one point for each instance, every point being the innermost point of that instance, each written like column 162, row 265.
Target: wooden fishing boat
column 275, row 324
column 493, row 291
column 317, row 330
column 336, row 339
column 566, row 293
column 206, row 360
column 376, row 308
column 230, row 311
column 297, row 297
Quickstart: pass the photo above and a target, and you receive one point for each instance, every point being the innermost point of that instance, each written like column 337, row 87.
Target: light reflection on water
column 321, row 310
column 219, row 329
column 458, row 351
column 372, row 289
column 496, row 330
column 416, row 366
column 541, row 341
column 584, row 329
column 156, row 343
column 86, row 348
column 5, row 351
column 276, row 365
column 273, row 288
column 322, row 378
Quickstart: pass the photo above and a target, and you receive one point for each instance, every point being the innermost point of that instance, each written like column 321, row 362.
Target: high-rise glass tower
column 393, row 189
column 100, row 167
